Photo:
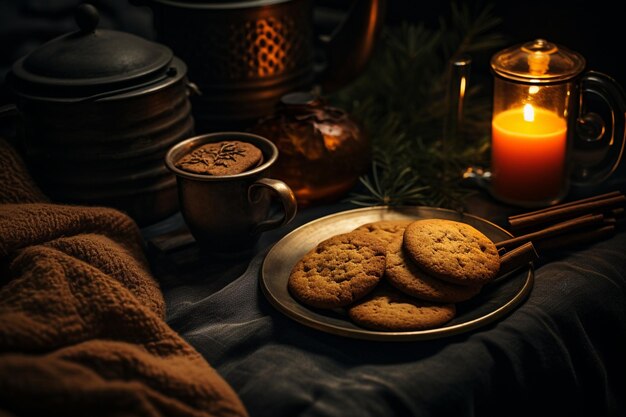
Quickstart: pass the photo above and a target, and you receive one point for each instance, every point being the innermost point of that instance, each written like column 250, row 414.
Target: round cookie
column 452, row 251
column 385, row 230
column 390, row 310
column 404, row 275
column 221, row 158
column 339, row 271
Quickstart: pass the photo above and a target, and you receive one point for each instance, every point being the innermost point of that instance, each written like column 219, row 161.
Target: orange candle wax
column 528, row 154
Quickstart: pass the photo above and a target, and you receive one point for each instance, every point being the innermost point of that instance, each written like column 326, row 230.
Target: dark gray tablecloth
column 561, row 353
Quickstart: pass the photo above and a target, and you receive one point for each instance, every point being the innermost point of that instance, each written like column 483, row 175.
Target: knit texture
column 82, row 330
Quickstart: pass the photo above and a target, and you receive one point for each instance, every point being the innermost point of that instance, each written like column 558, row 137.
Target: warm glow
column 529, row 113
column 533, row 89
column 528, row 159
column 462, row 87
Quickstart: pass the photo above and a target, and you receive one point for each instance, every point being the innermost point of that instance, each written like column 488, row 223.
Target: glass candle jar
column 538, row 120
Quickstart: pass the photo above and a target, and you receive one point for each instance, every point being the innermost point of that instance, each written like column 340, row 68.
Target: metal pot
column 245, row 55
column 98, row 110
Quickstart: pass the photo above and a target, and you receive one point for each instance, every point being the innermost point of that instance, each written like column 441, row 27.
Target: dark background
column 593, row 28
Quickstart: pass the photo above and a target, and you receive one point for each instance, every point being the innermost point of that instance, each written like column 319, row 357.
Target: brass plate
column 496, row 299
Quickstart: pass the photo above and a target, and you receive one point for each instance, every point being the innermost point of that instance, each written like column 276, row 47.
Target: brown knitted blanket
column 82, row 330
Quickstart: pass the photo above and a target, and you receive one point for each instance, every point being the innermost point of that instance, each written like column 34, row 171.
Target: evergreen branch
column 401, row 100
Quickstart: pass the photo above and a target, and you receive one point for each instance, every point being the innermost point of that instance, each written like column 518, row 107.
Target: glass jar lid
column 89, row 61
column 538, row 61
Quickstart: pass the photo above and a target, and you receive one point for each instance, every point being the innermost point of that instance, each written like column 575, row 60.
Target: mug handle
column 286, row 197
column 598, row 147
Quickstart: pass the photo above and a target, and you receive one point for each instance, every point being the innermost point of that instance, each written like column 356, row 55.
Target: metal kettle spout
column 349, row 48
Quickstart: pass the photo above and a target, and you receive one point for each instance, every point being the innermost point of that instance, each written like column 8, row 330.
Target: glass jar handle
column 598, row 145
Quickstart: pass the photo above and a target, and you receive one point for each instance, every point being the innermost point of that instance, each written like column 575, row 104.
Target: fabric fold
column 82, row 329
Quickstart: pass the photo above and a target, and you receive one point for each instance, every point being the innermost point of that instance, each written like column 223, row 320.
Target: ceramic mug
column 228, row 213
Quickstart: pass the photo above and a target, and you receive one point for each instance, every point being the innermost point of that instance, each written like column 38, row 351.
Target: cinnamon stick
column 518, row 257
column 579, row 238
column 571, row 203
column 567, row 211
column 554, row 230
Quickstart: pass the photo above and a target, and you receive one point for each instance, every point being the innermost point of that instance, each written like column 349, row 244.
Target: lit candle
column 528, row 154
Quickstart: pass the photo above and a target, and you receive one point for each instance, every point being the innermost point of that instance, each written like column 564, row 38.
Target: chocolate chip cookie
column 452, row 251
column 407, row 277
column 385, row 230
column 388, row 309
column 338, row 271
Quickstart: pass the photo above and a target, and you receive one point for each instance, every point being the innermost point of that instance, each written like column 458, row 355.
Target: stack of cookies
column 397, row 275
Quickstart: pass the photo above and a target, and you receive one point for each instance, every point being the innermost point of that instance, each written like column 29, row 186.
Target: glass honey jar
column 322, row 149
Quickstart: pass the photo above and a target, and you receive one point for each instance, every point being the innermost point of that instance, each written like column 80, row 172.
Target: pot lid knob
column 90, row 61
column 87, row 17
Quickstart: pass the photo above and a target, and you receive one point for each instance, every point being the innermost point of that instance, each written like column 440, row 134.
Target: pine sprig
column 401, row 100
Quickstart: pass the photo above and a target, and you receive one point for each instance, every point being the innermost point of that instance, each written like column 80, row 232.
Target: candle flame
column 529, row 113
column 462, row 87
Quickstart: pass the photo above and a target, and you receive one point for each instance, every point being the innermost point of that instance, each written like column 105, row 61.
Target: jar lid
column 299, row 103
column 89, row 61
column 538, row 61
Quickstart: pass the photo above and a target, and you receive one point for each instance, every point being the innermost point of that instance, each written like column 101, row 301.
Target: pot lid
column 538, row 61
column 90, row 61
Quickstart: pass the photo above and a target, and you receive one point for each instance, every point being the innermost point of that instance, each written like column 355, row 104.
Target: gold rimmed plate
column 495, row 300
